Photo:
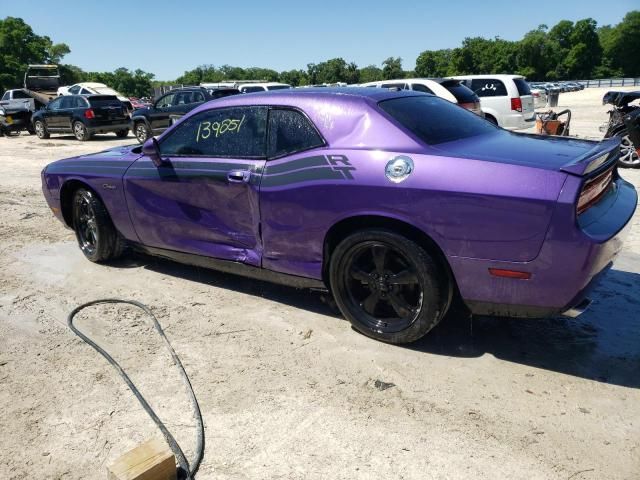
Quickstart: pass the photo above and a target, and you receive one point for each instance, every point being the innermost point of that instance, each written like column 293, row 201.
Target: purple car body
column 489, row 204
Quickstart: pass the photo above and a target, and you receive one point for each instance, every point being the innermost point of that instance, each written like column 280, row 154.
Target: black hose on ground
column 188, row 469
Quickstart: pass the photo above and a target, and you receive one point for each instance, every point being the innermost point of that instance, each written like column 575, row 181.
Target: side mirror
column 151, row 149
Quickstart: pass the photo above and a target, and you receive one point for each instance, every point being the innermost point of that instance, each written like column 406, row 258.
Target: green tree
column 370, row 73
column 19, row 47
column 392, row 68
column 621, row 45
column 434, row 63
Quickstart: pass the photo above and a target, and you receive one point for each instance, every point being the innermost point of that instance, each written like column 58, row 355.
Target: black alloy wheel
column 97, row 237
column 387, row 286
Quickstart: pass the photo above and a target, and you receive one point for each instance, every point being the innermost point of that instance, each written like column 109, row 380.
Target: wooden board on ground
column 153, row 460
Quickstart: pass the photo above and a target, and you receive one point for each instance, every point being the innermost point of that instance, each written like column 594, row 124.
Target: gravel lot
column 287, row 389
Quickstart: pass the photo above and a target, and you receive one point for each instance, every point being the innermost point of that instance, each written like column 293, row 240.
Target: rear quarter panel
column 470, row 208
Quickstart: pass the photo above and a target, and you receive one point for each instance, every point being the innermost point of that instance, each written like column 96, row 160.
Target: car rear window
column 463, row 94
column 434, row 120
column 522, row 86
column 105, row 101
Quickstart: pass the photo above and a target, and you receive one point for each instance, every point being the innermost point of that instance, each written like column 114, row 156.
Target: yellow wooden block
column 153, row 460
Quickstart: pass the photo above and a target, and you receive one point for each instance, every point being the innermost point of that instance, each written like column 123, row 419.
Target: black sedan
column 82, row 115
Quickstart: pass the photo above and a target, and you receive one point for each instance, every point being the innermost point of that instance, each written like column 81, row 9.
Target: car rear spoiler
column 598, row 158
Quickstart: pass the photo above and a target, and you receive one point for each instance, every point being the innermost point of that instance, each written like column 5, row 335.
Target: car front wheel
column 97, row 237
column 387, row 286
column 41, row 130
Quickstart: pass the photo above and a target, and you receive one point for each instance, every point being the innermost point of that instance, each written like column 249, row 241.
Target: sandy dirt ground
column 288, row 390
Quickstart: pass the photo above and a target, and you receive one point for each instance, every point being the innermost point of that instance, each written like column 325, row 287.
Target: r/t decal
column 340, row 163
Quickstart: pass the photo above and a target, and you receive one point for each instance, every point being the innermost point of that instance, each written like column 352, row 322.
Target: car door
column 203, row 199
column 50, row 114
column 64, row 115
column 161, row 111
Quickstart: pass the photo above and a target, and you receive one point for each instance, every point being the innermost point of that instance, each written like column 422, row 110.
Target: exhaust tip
column 579, row 309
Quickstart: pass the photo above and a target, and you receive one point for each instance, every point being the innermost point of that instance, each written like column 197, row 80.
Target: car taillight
column 535, row 94
column 468, row 106
column 88, row 113
column 516, row 104
column 593, row 190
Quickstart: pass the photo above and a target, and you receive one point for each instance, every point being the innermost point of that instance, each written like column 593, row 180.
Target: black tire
column 97, row 238
column 629, row 157
column 122, row 133
column 80, row 131
column 41, row 130
column 141, row 131
column 387, row 286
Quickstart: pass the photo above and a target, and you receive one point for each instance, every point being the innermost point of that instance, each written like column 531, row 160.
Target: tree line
column 578, row 50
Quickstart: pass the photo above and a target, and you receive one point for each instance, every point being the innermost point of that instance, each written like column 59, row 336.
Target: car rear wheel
column 628, row 155
column 387, row 286
column 122, row 133
column 80, row 131
column 97, row 237
column 41, row 130
column 141, row 132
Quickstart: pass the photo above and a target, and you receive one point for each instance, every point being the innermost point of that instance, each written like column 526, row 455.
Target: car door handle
column 239, row 176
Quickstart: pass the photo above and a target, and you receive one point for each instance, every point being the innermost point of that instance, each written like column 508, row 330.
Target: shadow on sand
column 602, row 345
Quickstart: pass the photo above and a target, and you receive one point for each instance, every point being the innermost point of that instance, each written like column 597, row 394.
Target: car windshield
column 434, row 120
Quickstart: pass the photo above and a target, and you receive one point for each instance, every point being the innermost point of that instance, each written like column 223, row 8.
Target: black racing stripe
column 169, row 173
column 301, row 176
column 89, row 169
column 315, row 161
column 90, row 163
column 178, row 164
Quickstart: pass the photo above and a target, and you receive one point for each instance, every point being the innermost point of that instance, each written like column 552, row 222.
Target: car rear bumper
column 108, row 127
column 572, row 260
column 518, row 121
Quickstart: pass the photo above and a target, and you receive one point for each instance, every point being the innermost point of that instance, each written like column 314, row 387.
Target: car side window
column 488, row 87
column 5, row 96
column 67, row 102
column 401, row 86
column 20, row 94
column 74, row 90
column 290, row 132
column 197, row 97
column 55, row 104
column 418, row 87
column 166, row 101
column 84, row 91
column 183, row 98
column 79, row 102
column 237, row 132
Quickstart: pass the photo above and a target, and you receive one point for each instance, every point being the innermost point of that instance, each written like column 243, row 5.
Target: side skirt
column 232, row 267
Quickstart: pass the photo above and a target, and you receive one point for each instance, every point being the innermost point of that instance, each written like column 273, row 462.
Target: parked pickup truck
column 16, row 108
column 43, row 79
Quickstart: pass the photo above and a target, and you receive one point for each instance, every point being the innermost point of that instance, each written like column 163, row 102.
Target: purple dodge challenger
column 397, row 202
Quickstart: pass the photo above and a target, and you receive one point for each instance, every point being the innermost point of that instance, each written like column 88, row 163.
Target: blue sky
column 167, row 38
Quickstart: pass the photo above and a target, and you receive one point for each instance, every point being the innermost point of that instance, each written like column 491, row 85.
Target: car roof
column 92, row 84
column 341, row 114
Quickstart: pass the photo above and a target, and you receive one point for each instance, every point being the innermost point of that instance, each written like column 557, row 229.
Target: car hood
column 537, row 151
column 112, row 160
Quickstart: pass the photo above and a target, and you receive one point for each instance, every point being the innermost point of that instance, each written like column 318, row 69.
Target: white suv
column 506, row 100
